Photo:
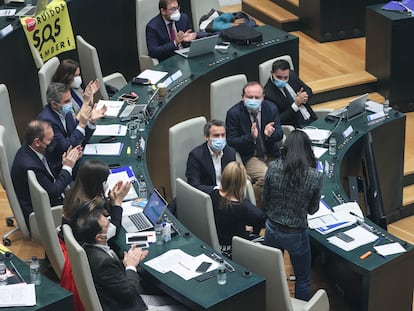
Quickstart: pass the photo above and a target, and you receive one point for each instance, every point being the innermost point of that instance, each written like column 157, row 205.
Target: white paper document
column 113, row 107
column 317, row 135
column 110, row 149
column 390, row 249
column 181, row 263
column 153, row 75
column 110, row 130
column 373, row 106
column 129, row 209
column 7, row 12
column 319, row 151
column 114, row 178
column 360, row 235
column 17, row 295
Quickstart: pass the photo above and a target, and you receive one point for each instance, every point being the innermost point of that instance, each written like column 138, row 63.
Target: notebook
column 153, row 211
column 199, row 47
column 355, row 108
column 32, row 10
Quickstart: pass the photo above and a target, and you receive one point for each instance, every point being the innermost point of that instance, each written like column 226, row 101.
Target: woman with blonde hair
column 234, row 214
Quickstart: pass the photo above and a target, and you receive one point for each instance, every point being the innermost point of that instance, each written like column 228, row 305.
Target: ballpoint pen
column 184, row 266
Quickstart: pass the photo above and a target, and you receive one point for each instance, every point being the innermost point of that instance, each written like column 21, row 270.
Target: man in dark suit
column 168, row 31
column 117, row 282
column 31, row 156
column 254, row 130
column 206, row 162
column 68, row 130
column 290, row 94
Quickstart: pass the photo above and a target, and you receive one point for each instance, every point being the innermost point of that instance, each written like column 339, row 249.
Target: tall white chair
column 91, row 69
column 195, row 211
column 183, row 137
column 45, row 74
column 225, row 93
column 268, row 262
column 81, row 271
column 145, row 11
column 200, row 8
column 9, row 144
column 266, row 67
column 48, row 219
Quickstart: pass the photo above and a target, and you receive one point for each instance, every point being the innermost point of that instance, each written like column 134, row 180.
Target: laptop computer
column 199, row 47
column 153, row 211
column 32, row 10
column 355, row 108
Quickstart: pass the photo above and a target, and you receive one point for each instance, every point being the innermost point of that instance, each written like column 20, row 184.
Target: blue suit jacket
column 159, row 44
column 26, row 159
column 64, row 139
column 238, row 130
column 200, row 168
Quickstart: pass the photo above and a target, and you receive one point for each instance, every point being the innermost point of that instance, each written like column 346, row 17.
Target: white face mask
column 111, row 231
column 77, row 81
column 175, row 16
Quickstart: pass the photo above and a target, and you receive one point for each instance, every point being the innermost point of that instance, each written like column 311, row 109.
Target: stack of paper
column 110, row 130
column 181, row 263
column 17, row 295
column 111, row 149
column 326, row 220
column 360, row 235
column 113, row 107
column 123, row 176
column 153, row 75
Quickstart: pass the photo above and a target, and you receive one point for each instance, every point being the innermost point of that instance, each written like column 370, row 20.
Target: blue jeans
column 298, row 246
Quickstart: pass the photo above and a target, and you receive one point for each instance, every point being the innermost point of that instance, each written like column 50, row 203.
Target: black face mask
column 51, row 147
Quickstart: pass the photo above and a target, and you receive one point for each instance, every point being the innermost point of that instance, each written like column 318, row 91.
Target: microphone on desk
column 361, row 222
column 326, row 143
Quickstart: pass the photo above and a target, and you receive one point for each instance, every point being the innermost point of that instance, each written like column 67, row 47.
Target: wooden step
column 339, row 103
column 271, row 14
column 290, row 5
column 408, row 195
column 342, row 81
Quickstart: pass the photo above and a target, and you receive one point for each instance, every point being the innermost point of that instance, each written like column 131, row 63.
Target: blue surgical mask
column 252, row 104
column 279, row 83
column 218, row 144
column 51, row 147
column 66, row 108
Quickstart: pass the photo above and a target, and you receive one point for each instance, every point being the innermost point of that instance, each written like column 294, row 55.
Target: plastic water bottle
column 332, row 145
column 166, row 231
column 221, row 273
column 142, row 187
column 35, row 271
column 386, row 107
column 3, row 273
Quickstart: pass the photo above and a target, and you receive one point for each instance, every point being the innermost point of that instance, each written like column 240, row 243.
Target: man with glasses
column 253, row 129
column 32, row 156
column 290, row 94
column 168, row 31
column 69, row 129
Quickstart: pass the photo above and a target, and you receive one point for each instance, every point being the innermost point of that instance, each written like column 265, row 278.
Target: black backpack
column 242, row 35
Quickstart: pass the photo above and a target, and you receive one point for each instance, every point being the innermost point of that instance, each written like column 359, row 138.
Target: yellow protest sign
column 50, row 31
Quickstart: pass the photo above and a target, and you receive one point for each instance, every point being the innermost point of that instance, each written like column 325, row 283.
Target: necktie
column 171, row 31
column 260, row 150
column 47, row 167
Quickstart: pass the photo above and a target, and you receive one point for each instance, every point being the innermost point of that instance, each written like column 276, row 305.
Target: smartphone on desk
column 203, row 267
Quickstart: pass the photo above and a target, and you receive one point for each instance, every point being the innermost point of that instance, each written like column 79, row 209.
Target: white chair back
column 46, row 224
column 145, row 11
column 200, row 8
column 266, row 67
column 195, row 211
column 81, row 271
column 183, row 137
column 45, row 74
column 225, row 93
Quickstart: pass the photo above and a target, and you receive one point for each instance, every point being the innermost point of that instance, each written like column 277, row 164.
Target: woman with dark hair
column 233, row 213
column 68, row 73
column 292, row 190
column 90, row 192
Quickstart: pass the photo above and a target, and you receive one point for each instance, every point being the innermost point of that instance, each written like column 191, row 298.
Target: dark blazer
column 26, row 159
column 64, row 139
column 117, row 288
column 159, row 44
column 200, row 168
column 287, row 115
column 238, row 130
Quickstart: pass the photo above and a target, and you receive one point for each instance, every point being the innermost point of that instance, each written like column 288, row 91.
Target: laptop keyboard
column 140, row 221
column 132, row 111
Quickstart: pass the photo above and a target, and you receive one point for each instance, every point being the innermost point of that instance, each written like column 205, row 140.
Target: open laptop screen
column 155, row 207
